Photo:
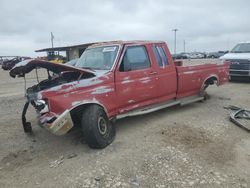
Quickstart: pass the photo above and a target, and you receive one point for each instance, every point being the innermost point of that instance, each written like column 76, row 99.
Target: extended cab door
column 166, row 77
column 135, row 78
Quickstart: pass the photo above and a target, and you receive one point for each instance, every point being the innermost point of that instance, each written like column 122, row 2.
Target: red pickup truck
column 112, row 80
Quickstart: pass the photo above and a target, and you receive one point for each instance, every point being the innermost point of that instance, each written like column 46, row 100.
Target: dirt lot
column 191, row 146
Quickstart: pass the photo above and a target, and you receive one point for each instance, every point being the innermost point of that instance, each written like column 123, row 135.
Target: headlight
column 41, row 106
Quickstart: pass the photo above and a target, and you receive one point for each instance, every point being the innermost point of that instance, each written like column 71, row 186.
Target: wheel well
column 76, row 113
column 211, row 80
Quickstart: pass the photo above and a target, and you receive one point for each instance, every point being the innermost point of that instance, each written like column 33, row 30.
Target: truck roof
column 244, row 42
column 121, row 42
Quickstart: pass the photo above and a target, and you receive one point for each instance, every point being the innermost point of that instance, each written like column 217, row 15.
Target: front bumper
column 56, row 124
column 236, row 72
column 59, row 125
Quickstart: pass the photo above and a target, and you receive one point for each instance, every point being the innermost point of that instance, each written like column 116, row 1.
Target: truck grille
column 240, row 64
column 239, row 73
column 240, row 67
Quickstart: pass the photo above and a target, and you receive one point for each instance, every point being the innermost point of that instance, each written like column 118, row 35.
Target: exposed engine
column 55, row 80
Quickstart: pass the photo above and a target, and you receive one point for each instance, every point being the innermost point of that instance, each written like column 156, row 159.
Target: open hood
column 27, row 66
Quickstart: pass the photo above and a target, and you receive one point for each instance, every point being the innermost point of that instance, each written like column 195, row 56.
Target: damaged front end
column 58, row 74
column 56, row 124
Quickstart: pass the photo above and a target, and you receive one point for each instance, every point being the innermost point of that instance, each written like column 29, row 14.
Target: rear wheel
column 98, row 130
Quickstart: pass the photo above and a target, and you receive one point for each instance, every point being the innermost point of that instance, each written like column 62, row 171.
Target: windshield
column 72, row 62
column 241, row 48
column 100, row 58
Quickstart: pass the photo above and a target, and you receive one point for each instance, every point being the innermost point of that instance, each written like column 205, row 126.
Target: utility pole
column 175, row 30
column 52, row 39
column 184, row 46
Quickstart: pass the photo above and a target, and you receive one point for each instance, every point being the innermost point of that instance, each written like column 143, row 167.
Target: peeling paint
column 127, row 81
column 102, row 90
column 145, row 81
column 136, row 106
column 75, row 85
column 131, row 101
column 126, row 78
column 75, row 103
column 189, row 72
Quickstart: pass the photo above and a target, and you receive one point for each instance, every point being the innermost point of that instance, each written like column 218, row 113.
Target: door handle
column 153, row 73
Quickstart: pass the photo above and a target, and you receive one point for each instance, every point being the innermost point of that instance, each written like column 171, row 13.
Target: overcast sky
column 205, row 25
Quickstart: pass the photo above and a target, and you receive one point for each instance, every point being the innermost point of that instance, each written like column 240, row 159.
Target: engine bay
column 55, row 80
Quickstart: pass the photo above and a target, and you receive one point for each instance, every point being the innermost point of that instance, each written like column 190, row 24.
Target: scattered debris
column 97, row 178
column 239, row 117
column 231, row 107
column 135, row 181
column 225, row 98
column 72, row 155
column 56, row 163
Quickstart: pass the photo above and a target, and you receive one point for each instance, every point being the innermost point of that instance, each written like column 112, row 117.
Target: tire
column 99, row 132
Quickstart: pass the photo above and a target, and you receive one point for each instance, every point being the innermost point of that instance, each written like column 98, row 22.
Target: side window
column 158, row 57
column 135, row 58
column 163, row 55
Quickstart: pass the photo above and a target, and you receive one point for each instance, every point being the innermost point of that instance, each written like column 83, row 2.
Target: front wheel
column 98, row 130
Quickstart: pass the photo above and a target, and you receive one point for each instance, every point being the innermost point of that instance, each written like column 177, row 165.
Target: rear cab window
column 160, row 56
column 135, row 58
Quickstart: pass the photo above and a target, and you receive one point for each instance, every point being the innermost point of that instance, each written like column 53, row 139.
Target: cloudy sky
column 205, row 25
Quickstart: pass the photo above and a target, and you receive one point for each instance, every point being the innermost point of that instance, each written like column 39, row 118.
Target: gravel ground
column 191, row 146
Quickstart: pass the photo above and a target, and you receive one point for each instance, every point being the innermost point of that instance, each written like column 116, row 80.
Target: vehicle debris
column 240, row 117
column 97, row 179
column 134, row 181
column 72, row 155
column 57, row 162
column 224, row 98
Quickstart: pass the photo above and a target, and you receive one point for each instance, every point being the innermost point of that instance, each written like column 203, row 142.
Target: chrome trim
column 242, row 75
column 239, row 70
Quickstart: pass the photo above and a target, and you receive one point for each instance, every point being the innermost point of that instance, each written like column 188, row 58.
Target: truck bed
column 190, row 78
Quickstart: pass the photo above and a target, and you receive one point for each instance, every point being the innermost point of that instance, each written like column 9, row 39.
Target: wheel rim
column 102, row 126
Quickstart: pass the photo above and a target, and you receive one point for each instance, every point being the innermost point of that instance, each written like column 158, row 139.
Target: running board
column 152, row 108
column 148, row 109
column 189, row 100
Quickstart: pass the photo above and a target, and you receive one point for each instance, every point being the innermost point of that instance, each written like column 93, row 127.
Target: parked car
column 239, row 58
column 1, row 60
column 194, row 55
column 114, row 80
column 9, row 64
column 180, row 56
column 216, row 54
